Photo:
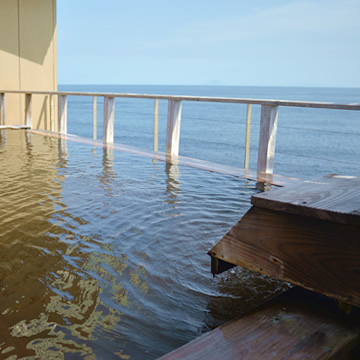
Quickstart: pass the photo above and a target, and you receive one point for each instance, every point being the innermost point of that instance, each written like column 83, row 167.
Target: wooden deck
column 296, row 325
column 334, row 197
column 307, row 234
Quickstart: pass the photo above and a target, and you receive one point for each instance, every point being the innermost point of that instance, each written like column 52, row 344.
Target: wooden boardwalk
column 296, row 325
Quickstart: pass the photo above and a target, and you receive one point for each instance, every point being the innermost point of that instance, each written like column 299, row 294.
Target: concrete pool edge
column 277, row 180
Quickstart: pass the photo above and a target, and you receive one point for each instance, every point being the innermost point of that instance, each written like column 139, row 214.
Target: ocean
column 310, row 142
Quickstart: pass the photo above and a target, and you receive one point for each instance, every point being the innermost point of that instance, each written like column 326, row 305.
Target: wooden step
column 319, row 255
column 296, row 325
column 307, row 234
column 334, row 197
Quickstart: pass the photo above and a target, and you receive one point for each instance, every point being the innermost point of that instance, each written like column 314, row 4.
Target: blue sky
column 197, row 42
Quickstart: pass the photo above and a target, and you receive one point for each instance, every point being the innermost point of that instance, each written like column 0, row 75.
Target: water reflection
column 173, row 189
column 95, row 259
column 62, row 154
column 108, row 174
column 62, row 150
column 2, row 137
column 264, row 186
column 50, row 300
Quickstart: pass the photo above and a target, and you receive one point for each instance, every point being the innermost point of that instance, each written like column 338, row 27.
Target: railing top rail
column 310, row 104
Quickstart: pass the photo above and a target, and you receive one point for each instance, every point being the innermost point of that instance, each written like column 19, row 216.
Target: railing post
column 267, row 138
column 62, row 114
column 156, row 124
column 94, row 117
column 2, row 108
column 28, row 110
column 247, row 138
column 173, row 127
column 109, row 114
column 52, row 113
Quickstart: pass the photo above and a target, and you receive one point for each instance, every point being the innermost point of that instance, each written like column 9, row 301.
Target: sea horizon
column 310, row 142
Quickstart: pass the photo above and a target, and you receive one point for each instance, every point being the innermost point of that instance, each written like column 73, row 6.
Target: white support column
column 52, row 113
column 2, row 108
column 156, row 125
column 94, row 117
column 109, row 115
column 62, row 114
column 267, row 138
column 28, row 110
column 173, row 127
column 247, row 137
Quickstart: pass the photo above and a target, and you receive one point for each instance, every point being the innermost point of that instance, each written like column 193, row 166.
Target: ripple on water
column 104, row 254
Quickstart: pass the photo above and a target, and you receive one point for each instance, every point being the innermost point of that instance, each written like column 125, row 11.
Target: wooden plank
column 62, row 114
column 316, row 254
column 173, row 127
column 28, row 110
column 333, row 197
column 247, row 137
column 267, row 139
column 296, row 325
column 2, row 108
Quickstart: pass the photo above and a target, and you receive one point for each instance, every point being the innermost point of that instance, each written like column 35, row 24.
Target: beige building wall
column 28, row 59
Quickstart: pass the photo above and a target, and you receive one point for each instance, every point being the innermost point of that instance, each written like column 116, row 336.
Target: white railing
column 268, row 121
